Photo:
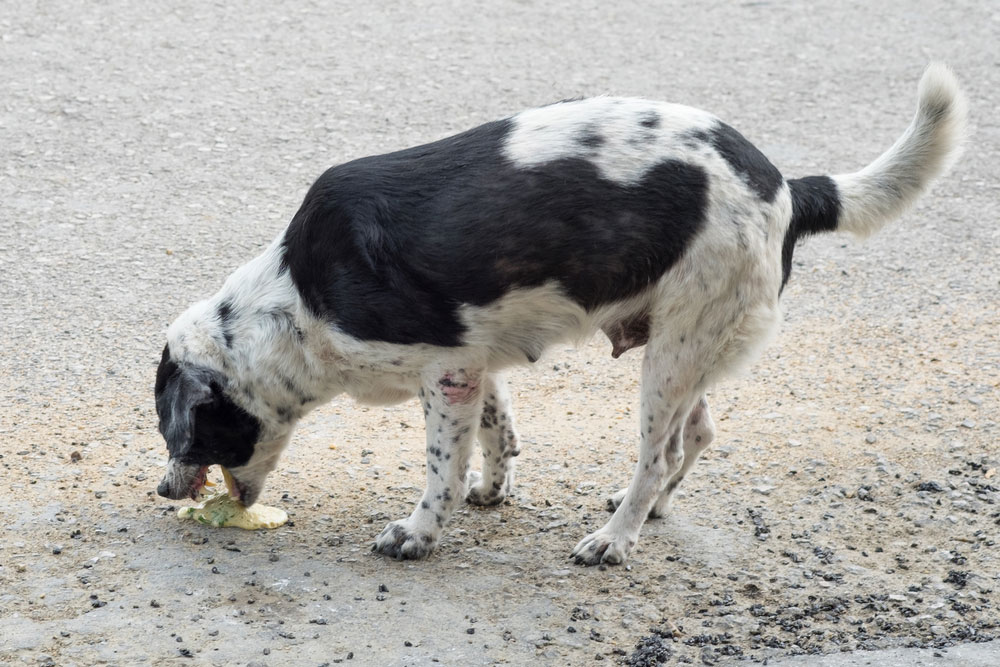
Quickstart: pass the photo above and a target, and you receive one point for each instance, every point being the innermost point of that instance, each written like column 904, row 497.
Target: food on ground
column 221, row 509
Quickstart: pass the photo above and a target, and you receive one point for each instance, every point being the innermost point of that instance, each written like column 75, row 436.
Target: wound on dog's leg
column 459, row 387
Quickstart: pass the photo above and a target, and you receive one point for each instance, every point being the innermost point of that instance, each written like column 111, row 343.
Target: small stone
column 870, row 438
column 932, row 487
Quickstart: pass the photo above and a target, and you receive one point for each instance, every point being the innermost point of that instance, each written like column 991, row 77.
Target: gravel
column 848, row 505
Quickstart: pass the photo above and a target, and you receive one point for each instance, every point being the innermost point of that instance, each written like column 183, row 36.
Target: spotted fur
column 428, row 271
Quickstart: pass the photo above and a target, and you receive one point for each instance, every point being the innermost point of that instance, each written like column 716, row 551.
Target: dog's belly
column 383, row 394
column 522, row 324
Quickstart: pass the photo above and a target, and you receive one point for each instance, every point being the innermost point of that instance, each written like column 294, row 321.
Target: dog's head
column 202, row 426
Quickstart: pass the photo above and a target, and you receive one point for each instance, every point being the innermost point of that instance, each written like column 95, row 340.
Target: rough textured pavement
column 850, row 502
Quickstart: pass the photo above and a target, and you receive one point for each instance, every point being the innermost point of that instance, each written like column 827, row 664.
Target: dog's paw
column 401, row 542
column 616, row 499
column 484, row 493
column 603, row 546
column 656, row 512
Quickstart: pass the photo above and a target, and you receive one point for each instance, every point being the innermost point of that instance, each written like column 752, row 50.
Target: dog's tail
column 863, row 202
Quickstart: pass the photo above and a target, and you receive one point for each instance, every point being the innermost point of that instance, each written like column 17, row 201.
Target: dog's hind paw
column 616, row 499
column 397, row 540
column 603, row 546
column 656, row 512
column 482, row 492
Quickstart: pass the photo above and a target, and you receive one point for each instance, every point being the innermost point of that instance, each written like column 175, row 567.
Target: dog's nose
column 164, row 488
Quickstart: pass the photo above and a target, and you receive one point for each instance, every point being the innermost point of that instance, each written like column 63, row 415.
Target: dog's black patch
column 200, row 424
column 590, row 138
column 650, row 119
column 164, row 371
column 815, row 208
column 388, row 247
column 748, row 162
column 224, row 433
column 225, row 319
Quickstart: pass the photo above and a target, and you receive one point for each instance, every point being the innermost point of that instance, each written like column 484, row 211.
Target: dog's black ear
column 179, row 391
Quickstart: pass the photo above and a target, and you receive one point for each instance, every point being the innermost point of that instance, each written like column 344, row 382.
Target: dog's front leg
column 452, row 402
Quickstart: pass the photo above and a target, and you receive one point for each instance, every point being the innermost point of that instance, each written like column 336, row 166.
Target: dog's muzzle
column 182, row 480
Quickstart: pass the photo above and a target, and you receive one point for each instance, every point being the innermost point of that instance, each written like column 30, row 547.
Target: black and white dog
column 428, row 271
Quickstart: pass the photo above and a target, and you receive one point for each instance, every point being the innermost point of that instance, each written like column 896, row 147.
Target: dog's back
column 594, row 199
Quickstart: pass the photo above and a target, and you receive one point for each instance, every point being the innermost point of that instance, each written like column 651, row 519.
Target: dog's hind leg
column 499, row 441
column 452, row 402
column 699, row 431
column 670, row 389
column 698, row 434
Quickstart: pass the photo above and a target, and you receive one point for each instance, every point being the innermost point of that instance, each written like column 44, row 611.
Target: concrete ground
column 848, row 506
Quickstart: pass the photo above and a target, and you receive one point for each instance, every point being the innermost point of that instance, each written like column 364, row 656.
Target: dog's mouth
column 197, row 483
column 184, row 481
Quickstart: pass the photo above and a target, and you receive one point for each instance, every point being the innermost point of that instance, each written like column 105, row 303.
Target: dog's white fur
column 709, row 315
column 887, row 187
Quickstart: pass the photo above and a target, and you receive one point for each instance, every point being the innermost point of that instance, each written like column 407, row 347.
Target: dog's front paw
column 603, row 546
column 398, row 540
column 483, row 492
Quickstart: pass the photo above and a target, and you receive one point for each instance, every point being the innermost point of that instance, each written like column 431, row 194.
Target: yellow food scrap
column 220, row 509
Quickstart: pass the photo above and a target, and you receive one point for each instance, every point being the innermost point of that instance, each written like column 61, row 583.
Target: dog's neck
column 257, row 332
column 280, row 359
